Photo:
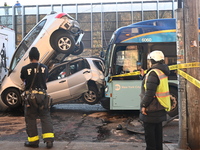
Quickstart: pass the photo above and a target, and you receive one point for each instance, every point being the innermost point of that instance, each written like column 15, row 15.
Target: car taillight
column 61, row 15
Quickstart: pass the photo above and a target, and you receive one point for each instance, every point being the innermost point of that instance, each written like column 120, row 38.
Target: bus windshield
column 126, row 59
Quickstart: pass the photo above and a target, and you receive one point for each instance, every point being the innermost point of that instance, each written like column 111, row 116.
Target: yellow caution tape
column 172, row 67
column 185, row 65
column 189, row 78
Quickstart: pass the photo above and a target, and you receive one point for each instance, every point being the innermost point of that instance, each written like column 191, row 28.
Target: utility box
column 7, row 49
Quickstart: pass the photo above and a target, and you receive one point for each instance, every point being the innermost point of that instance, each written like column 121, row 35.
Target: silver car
column 56, row 36
column 79, row 78
column 82, row 77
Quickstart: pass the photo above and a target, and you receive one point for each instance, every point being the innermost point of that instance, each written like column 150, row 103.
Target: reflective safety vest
column 162, row 92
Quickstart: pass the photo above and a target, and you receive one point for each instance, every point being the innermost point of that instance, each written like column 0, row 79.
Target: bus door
column 126, row 89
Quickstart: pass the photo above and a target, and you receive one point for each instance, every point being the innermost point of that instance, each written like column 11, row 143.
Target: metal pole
column 117, row 18
column 158, row 13
column 102, row 26
column 142, row 10
column 91, row 32
column 37, row 14
column 181, row 81
column 23, row 21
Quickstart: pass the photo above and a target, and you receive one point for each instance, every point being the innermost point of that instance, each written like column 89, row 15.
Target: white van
column 7, row 49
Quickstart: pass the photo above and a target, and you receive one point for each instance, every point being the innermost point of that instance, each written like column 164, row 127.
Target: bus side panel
column 125, row 95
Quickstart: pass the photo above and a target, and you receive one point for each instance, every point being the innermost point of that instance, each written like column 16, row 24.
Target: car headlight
column 106, row 89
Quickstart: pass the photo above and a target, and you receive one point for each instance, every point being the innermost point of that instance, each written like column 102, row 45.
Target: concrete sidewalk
column 8, row 145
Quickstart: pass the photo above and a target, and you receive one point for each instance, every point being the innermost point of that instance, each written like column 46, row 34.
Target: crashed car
column 81, row 78
column 56, row 36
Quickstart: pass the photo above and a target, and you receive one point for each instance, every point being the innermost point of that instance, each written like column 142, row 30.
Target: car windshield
column 25, row 44
column 99, row 65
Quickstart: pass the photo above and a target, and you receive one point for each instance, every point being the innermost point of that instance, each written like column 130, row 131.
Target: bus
column 127, row 50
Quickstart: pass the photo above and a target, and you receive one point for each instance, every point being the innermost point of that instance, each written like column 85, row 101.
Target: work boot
column 49, row 144
column 30, row 144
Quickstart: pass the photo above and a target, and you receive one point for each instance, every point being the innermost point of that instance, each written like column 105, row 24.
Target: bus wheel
column 174, row 102
column 91, row 96
column 11, row 98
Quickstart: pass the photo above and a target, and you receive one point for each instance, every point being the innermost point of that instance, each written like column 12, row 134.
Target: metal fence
column 98, row 20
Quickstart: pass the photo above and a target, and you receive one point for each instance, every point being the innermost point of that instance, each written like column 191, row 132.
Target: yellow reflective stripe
column 48, row 135
column 162, row 94
column 37, row 92
column 33, row 139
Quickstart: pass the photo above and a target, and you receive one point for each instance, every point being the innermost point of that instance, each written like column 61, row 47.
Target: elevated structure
column 98, row 20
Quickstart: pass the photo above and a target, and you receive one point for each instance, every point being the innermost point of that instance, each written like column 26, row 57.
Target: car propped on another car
column 56, row 36
column 79, row 78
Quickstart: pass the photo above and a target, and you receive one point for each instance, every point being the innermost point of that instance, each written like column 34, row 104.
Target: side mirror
column 102, row 54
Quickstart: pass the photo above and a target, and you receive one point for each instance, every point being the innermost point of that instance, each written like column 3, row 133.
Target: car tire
column 78, row 49
column 174, row 102
column 91, row 96
column 62, row 42
column 12, row 98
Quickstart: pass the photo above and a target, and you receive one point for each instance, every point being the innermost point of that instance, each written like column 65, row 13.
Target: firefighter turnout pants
column 33, row 113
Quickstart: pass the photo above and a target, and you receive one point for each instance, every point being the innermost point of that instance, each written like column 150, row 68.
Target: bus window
column 127, row 58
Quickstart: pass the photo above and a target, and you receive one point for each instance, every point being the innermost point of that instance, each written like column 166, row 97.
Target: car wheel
column 78, row 49
column 91, row 96
column 174, row 102
column 62, row 42
column 11, row 98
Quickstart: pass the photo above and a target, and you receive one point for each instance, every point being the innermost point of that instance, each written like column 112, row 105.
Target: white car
column 56, row 36
column 79, row 78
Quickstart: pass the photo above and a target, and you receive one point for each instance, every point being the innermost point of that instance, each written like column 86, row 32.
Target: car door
column 57, row 85
column 78, row 77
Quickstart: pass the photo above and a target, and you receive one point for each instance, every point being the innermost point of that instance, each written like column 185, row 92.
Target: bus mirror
column 102, row 54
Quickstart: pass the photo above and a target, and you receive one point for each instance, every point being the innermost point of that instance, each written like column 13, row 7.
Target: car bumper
column 105, row 102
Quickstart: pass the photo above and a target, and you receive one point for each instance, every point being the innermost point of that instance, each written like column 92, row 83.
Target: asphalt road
column 84, row 123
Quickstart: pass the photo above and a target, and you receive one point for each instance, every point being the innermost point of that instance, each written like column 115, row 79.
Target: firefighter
column 155, row 100
column 34, row 75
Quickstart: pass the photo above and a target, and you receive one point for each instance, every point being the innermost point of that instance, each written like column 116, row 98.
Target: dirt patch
column 84, row 125
column 11, row 125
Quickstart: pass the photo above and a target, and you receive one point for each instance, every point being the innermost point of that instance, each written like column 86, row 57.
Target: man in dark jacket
column 35, row 75
column 155, row 100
